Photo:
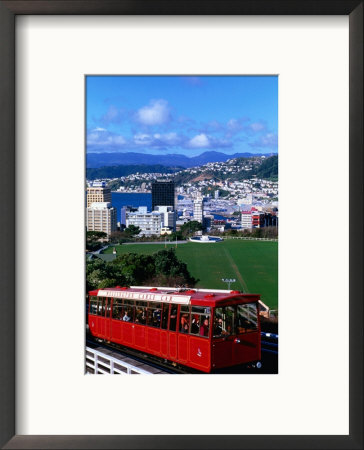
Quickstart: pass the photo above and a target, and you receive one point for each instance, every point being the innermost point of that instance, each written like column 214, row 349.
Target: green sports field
column 254, row 264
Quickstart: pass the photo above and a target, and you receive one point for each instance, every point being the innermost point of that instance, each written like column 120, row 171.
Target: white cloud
column 169, row 138
column 269, row 140
column 99, row 137
column 199, row 141
column 119, row 140
column 142, row 139
column 233, row 124
column 257, row 126
column 156, row 113
column 157, row 140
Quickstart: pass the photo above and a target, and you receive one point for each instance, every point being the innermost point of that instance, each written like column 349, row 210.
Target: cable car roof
column 186, row 296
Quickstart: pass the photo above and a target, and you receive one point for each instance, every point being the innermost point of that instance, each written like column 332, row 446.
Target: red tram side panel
column 202, row 329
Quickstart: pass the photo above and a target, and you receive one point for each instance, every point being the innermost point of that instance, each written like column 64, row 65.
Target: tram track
column 269, row 358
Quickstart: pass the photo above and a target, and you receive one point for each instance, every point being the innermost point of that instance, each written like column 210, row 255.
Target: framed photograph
column 182, row 224
column 207, row 101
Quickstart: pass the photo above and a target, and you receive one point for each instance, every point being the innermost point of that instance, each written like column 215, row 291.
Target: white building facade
column 168, row 216
column 198, row 209
column 149, row 223
column 246, row 220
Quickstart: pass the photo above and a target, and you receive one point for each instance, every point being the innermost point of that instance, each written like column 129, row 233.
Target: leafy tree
column 131, row 231
column 118, row 237
column 135, row 268
column 95, row 240
column 95, row 235
column 100, row 274
column 257, row 232
column 191, row 227
column 160, row 269
column 167, row 264
column 176, row 235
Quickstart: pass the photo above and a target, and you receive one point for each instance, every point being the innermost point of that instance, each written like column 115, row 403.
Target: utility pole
column 228, row 281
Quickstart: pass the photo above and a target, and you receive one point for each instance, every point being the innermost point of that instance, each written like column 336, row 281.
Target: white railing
column 250, row 238
column 99, row 363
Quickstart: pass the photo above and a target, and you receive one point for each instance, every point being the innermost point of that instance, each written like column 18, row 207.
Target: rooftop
column 209, row 297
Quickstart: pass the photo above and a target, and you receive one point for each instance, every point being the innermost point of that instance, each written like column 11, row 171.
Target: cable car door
column 108, row 319
column 172, row 335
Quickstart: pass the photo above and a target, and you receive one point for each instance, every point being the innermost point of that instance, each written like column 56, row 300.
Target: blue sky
column 182, row 114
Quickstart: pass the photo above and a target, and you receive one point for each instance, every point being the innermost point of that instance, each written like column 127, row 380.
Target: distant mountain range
column 95, row 160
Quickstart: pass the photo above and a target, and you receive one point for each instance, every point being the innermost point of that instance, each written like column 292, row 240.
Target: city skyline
column 182, row 114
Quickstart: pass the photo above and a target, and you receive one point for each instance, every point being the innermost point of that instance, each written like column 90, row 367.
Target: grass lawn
column 254, row 264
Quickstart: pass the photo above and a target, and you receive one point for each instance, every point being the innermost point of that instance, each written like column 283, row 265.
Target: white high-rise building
column 101, row 216
column 149, row 223
column 198, row 209
column 246, row 220
column 168, row 216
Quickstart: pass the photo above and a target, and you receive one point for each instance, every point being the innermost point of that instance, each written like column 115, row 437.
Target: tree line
column 159, row 269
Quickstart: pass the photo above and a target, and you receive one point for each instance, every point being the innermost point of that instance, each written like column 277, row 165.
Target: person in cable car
column 184, row 322
column 204, row 328
column 126, row 318
column 218, row 327
column 195, row 325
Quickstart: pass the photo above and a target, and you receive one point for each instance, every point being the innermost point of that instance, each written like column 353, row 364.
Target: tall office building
column 163, row 194
column 198, row 209
column 98, row 193
column 101, row 216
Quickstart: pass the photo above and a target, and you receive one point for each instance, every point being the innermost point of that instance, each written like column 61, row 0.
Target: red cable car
column 199, row 328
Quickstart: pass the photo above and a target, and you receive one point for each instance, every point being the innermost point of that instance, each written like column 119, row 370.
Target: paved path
column 156, row 242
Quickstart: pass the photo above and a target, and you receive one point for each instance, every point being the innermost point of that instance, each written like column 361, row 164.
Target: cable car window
column 173, row 318
column 154, row 314
column 224, row 321
column 128, row 310
column 184, row 319
column 201, row 309
column 165, row 316
column 200, row 320
column 93, row 305
column 195, row 324
column 108, row 307
column 141, row 312
column 101, row 306
column 247, row 318
column 129, row 302
column 117, row 311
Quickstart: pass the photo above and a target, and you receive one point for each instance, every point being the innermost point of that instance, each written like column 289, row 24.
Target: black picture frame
column 8, row 12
